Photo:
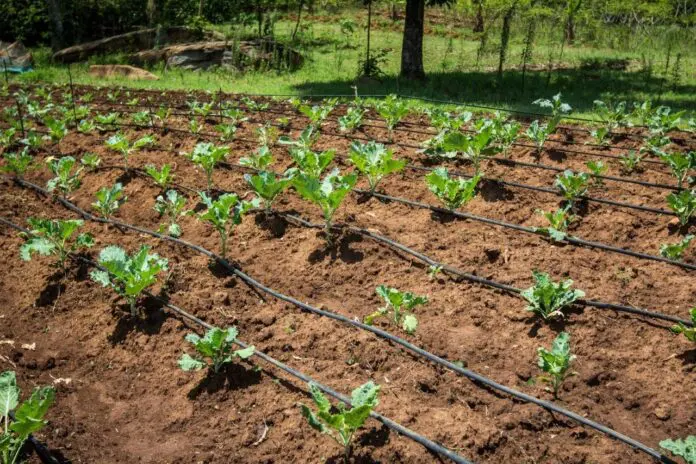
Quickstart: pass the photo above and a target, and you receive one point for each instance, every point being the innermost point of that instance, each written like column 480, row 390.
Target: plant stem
column 133, row 309
column 223, row 242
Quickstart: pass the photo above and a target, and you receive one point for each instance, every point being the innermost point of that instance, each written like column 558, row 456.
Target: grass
column 451, row 63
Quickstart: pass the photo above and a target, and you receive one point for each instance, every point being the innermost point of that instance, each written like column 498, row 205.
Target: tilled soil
column 127, row 401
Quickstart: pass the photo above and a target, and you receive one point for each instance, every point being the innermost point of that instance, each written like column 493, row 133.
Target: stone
column 121, row 70
column 662, row 412
column 15, row 55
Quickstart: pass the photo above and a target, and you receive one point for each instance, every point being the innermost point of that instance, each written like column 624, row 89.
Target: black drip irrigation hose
column 398, row 428
column 529, row 230
column 475, row 377
column 474, row 278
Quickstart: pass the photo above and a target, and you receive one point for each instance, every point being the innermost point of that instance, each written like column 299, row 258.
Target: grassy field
column 583, row 73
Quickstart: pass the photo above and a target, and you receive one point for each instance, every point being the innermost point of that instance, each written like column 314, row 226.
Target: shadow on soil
column 339, row 249
column 232, row 376
column 150, row 324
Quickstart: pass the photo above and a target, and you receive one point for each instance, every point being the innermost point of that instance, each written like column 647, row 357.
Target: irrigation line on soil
column 475, row 377
column 474, row 278
column 430, row 445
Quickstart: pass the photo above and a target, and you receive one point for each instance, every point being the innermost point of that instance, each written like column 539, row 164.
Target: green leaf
column 9, row 393
column 410, row 323
column 188, row 363
column 312, row 419
column 245, row 352
column 685, row 448
column 36, row 245
column 29, row 416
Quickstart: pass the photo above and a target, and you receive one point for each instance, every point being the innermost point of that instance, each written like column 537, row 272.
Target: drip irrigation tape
column 550, row 406
column 530, row 230
column 398, row 428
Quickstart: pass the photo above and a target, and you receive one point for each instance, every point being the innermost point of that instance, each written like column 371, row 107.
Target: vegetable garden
column 204, row 277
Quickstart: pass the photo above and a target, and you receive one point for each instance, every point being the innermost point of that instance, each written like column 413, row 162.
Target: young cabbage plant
column 18, row 163
column 32, row 140
column 374, row 161
column 224, row 213
column 226, row 131
column 558, row 110
column 253, row 105
column 91, row 161
column 505, row 135
column 66, row 178
column 28, row 417
column 393, row 110
column 283, row 122
column 129, row 276
column 598, row 169
column 104, row 121
column 655, row 144
column 680, row 164
column 342, row 425
column 259, row 160
column 119, row 143
column 402, row 304
column 328, row 193
column 267, row 186
column 683, row 204
column 685, row 448
column 142, row 118
column 309, row 162
column 214, row 350
column 453, row 192
column 163, row 177
column 547, row 298
column 195, row 127
column 86, row 126
column 267, row 135
column 642, row 112
column 316, row 114
column 207, row 156
column 558, row 223
column 171, row 206
column 54, row 237
column 675, row 251
column 57, row 129
column 612, row 116
column 663, row 120
column 308, row 137
column 556, row 363
column 601, row 136
column 689, row 332
column 472, row 146
column 352, row 120
column 571, row 185
column 109, row 200
column 630, row 162
column 7, row 136
column 538, row 134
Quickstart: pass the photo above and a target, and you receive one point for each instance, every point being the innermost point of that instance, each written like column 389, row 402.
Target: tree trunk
column 299, row 16
column 412, row 47
column 479, row 26
column 570, row 29
column 504, row 40
column 57, row 39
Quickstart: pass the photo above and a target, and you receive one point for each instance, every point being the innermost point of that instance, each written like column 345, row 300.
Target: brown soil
column 128, row 401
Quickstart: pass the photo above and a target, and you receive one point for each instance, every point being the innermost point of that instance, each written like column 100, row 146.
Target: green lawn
column 453, row 73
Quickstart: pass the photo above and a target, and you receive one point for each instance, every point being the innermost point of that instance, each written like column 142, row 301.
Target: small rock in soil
column 662, row 412
column 221, row 298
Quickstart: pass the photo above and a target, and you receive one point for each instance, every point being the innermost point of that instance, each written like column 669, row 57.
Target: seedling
column 341, row 426
column 680, row 164
column 327, row 193
column 547, row 299
column 214, row 350
column 142, row 118
column 129, row 276
column 630, row 162
column 612, row 115
column 598, row 169
column 556, row 362
column 91, row 161
column 86, row 126
column 472, row 146
column 259, row 160
column 104, row 120
column 119, row 143
column 66, row 179
column 226, row 131
column 675, row 251
column 224, row 213
column 664, row 121
column 571, row 185
column 689, row 332
column 308, row 137
column 207, row 156
column 162, row 177
column 267, row 135
column 601, row 136
column 374, row 161
column 352, row 120
column 28, row 416
column 201, row 109
column 32, row 140
column 558, row 223
column 393, row 110
column 18, row 163
column 316, row 114
column 283, row 122
column 309, row 162
column 655, row 144
column 54, row 237
column 194, row 126
column 7, row 136
column 434, row 271
column 453, row 192
column 558, row 110
column 253, row 105
column 171, row 205
column 402, row 304
column 109, row 200
column 267, row 186
column 505, row 135
column 234, row 115
column 538, row 134
column 683, row 204
column 57, row 129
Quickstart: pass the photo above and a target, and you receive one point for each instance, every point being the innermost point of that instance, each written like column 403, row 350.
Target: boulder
column 15, row 55
column 121, row 70
column 132, row 42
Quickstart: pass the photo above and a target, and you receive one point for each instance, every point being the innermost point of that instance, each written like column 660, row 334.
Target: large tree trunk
column 480, row 25
column 412, row 47
column 57, row 39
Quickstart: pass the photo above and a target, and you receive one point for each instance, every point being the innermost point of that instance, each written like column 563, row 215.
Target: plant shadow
column 339, row 249
column 232, row 376
column 493, row 191
column 274, row 224
column 150, row 324
column 688, row 357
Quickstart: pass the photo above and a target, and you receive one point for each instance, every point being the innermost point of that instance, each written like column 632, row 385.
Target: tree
column 412, row 47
